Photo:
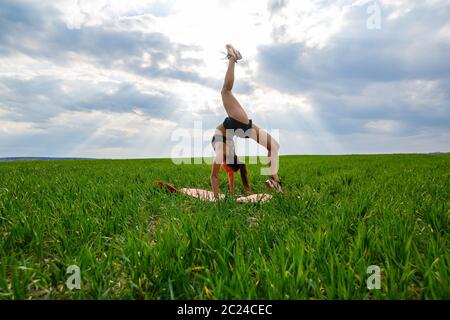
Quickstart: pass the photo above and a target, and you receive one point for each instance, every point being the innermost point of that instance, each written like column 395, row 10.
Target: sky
column 142, row 79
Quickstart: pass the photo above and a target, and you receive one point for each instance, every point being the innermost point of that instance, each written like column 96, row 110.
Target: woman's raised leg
column 232, row 106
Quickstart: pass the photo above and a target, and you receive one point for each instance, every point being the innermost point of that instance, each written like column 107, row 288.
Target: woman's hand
column 220, row 197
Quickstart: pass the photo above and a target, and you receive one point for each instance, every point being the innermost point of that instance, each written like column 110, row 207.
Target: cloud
column 89, row 134
column 39, row 98
column 18, row 128
column 39, row 32
column 388, row 126
column 107, row 78
column 366, row 79
column 275, row 6
column 407, row 47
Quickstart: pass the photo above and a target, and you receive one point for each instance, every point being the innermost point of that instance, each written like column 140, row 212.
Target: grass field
column 340, row 214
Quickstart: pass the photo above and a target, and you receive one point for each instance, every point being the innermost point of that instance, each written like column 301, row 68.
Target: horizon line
column 140, row 158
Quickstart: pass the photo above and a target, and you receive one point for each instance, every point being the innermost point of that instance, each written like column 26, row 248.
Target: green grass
column 339, row 215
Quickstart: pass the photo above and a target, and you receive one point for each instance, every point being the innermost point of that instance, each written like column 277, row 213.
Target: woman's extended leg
column 267, row 141
column 232, row 106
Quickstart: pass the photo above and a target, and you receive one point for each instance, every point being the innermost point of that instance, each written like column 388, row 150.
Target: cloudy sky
column 126, row 79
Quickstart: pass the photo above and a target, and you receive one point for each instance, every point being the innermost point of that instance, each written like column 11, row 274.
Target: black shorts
column 241, row 130
column 219, row 137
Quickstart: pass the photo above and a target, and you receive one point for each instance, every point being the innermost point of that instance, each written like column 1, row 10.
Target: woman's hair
column 242, row 168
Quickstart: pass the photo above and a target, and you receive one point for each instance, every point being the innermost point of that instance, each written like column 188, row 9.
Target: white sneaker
column 232, row 52
column 274, row 185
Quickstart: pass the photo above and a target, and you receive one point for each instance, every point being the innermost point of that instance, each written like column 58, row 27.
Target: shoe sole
column 232, row 52
column 273, row 185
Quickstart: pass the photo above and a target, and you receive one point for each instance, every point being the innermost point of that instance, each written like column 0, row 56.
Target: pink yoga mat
column 261, row 197
column 209, row 195
column 201, row 194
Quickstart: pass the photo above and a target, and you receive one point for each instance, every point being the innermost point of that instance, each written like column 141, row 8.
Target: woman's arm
column 215, row 179
column 231, row 181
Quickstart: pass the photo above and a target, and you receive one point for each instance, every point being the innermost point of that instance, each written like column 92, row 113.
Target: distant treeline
column 39, row 158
